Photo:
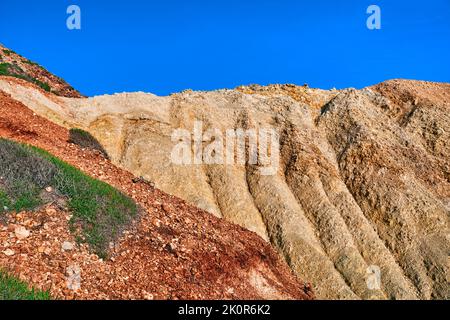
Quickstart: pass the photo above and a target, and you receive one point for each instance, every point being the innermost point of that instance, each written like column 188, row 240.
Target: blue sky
column 167, row 46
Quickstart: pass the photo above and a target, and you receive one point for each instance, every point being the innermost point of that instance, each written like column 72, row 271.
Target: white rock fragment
column 67, row 246
column 21, row 232
column 73, row 277
column 9, row 252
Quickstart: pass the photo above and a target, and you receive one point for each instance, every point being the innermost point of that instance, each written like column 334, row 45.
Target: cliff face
column 362, row 183
column 171, row 251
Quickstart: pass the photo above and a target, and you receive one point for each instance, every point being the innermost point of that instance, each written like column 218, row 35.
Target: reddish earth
column 175, row 251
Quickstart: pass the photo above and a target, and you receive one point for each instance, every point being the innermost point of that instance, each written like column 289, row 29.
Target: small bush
column 99, row 210
column 4, row 69
column 7, row 52
column 31, row 63
column 13, row 70
column 43, row 85
column 14, row 289
column 23, row 175
column 85, row 140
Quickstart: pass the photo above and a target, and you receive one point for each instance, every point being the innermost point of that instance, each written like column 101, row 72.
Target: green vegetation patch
column 13, row 70
column 85, row 140
column 14, row 289
column 7, row 52
column 31, row 63
column 100, row 212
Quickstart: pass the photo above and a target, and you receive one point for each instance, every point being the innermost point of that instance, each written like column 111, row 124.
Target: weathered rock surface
column 363, row 181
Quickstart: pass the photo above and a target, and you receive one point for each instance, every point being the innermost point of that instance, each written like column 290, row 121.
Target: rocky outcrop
column 362, row 183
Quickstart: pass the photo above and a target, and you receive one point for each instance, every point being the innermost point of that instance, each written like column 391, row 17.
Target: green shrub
column 14, row 289
column 31, row 63
column 5, row 203
column 13, row 70
column 85, row 140
column 4, row 69
column 7, row 52
column 43, row 85
column 9, row 69
column 99, row 210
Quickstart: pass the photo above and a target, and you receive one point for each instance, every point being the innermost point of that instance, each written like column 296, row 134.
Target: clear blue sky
column 169, row 45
